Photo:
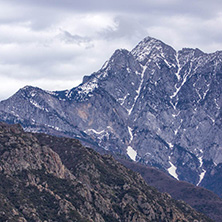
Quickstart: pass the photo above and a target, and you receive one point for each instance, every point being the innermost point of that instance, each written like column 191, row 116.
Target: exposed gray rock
column 158, row 106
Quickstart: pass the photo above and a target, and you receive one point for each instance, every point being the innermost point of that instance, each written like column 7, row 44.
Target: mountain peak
column 192, row 52
column 151, row 39
column 30, row 88
column 151, row 47
column 26, row 92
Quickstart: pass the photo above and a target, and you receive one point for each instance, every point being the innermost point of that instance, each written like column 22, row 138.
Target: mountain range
column 47, row 178
column 157, row 106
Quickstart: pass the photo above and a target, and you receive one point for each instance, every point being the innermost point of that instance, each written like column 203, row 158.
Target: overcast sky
column 52, row 44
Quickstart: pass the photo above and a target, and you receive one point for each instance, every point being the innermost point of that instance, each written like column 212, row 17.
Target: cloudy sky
column 52, row 44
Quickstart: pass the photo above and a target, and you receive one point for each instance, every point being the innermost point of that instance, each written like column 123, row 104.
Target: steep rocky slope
column 199, row 198
column 154, row 104
column 35, row 185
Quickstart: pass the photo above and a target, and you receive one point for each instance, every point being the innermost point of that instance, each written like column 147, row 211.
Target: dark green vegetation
column 45, row 178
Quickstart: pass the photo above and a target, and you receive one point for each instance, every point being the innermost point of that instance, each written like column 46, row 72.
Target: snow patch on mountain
column 172, row 170
column 179, row 67
column 131, row 153
column 183, row 82
column 94, row 131
column 170, row 145
column 34, row 103
column 138, row 90
column 89, row 86
column 203, row 170
column 131, row 134
column 122, row 100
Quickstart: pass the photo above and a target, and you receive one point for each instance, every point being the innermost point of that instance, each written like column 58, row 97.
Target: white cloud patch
column 54, row 43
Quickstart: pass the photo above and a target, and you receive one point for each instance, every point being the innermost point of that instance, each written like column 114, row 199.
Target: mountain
column 156, row 105
column 37, row 185
column 199, row 198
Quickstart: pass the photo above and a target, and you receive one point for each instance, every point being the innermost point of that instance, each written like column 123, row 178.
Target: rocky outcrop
column 155, row 105
column 199, row 198
column 36, row 184
column 21, row 152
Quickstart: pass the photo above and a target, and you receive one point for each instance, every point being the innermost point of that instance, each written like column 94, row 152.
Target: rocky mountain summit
column 37, row 184
column 156, row 105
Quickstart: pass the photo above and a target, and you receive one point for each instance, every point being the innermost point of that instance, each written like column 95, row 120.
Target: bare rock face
column 26, row 154
column 154, row 105
column 37, row 184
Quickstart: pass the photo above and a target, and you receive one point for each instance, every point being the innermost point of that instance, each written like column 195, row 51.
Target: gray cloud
column 125, row 27
column 75, row 39
column 53, row 43
column 200, row 8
